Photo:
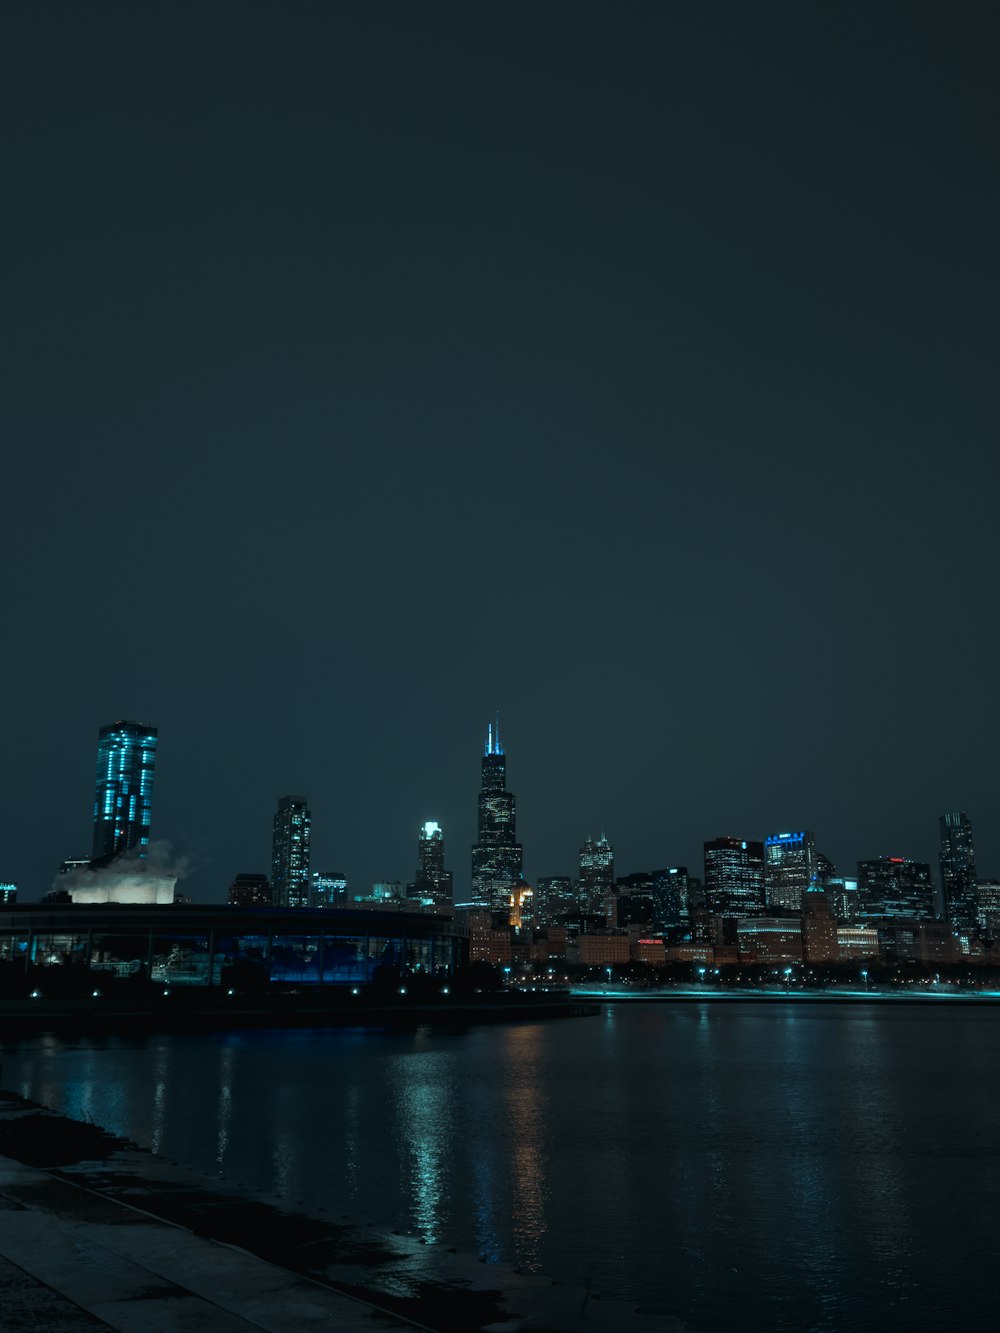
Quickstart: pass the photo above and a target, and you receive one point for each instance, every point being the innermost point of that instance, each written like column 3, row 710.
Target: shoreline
column 696, row 996
column 125, row 1228
column 184, row 1011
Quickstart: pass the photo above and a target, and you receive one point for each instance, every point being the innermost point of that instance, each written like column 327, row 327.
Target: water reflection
column 746, row 1168
column 424, row 1113
column 524, row 1108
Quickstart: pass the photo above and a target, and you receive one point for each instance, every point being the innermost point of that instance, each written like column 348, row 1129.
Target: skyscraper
column 895, row 886
column 958, row 869
column 497, row 857
column 123, row 799
column 597, row 875
column 790, row 869
column 328, row 888
column 290, row 853
column 432, row 881
column 734, row 876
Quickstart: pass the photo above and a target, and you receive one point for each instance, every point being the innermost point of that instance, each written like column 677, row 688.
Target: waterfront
column 741, row 1166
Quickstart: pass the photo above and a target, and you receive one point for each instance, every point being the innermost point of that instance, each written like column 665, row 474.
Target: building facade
column 433, row 884
column 497, row 856
column 895, row 886
column 201, row 945
column 290, row 853
column 123, row 796
column 597, row 875
column 790, row 869
column 327, row 888
column 248, row 890
column 734, row 876
column 957, row 859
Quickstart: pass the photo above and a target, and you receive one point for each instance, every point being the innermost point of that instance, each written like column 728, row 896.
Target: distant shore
column 697, row 995
column 200, row 1010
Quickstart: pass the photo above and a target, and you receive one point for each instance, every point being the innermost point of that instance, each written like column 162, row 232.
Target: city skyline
column 631, row 368
column 779, row 870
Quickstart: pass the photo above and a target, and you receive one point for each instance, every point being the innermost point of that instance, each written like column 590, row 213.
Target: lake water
column 746, row 1167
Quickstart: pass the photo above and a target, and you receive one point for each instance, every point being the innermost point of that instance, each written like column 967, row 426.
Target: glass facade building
column 895, row 886
column 497, row 856
column 597, row 875
column 790, row 869
column 957, row 859
column 734, row 876
column 123, row 798
column 290, row 853
column 199, row 946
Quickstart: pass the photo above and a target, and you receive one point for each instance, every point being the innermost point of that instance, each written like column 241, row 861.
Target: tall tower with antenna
column 497, row 856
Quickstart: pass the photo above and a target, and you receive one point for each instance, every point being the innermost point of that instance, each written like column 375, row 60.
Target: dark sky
column 632, row 368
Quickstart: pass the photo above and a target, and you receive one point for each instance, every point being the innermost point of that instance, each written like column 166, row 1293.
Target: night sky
column 630, row 368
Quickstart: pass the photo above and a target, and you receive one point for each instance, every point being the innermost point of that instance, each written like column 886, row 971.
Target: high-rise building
column 554, row 897
column 432, row 884
column 290, row 853
column 597, row 875
column 123, row 799
column 988, row 907
column 248, row 890
column 734, row 876
column 8, row 892
column 497, row 856
column 328, row 888
column 895, row 886
column 670, row 896
column 958, row 868
column 790, row 869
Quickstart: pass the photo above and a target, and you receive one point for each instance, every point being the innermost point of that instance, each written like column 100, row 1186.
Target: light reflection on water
column 783, row 1169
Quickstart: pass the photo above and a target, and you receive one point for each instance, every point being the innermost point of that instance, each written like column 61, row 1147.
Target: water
column 745, row 1167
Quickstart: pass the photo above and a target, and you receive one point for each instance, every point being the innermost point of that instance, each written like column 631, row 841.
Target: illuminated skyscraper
column 597, row 875
column 497, row 858
column 958, row 868
column 432, row 883
column 895, row 886
column 328, row 888
column 123, row 800
column 734, row 877
column 290, row 853
column 790, row 869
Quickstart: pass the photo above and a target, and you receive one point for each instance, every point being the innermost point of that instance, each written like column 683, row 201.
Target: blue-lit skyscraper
column 123, row 800
column 791, row 869
column 497, row 858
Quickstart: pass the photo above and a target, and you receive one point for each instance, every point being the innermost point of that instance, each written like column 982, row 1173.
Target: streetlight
column 864, row 977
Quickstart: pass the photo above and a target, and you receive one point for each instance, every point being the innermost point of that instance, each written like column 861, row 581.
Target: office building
column 790, row 869
column 957, row 859
column 895, row 886
column 248, row 890
column 670, row 887
column 497, row 856
column 988, row 907
column 290, row 853
column 596, row 885
column 123, row 798
column 327, row 888
column 734, row 877
column 433, row 885
column 555, row 896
